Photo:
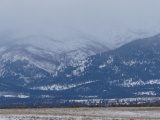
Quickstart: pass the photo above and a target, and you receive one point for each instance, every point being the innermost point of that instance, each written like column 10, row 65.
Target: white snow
column 110, row 60
column 146, row 93
column 131, row 83
column 133, row 62
column 15, row 56
column 15, row 96
column 58, row 87
column 76, row 41
column 80, row 67
column 102, row 66
column 12, row 95
column 130, row 63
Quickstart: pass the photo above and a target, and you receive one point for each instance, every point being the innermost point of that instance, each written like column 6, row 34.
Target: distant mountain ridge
column 130, row 72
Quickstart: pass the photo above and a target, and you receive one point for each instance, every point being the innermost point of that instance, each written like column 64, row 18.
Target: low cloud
column 101, row 19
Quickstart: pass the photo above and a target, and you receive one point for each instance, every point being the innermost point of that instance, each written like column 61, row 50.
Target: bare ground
column 108, row 113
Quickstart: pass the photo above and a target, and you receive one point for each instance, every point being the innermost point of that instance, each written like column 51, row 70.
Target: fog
column 105, row 20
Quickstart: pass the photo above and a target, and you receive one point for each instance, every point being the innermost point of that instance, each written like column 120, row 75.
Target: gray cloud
column 99, row 18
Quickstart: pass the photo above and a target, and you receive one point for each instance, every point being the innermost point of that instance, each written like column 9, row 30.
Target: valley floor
column 110, row 113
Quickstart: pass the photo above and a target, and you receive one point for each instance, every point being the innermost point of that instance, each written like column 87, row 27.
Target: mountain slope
column 24, row 66
column 131, row 71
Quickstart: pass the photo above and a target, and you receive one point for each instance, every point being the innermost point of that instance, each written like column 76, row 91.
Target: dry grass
column 131, row 113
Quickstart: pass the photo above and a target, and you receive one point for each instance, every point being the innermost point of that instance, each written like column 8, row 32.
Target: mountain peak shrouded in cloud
column 111, row 22
column 57, row 52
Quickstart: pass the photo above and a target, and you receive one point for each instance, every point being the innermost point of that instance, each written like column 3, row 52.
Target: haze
column 107, row 21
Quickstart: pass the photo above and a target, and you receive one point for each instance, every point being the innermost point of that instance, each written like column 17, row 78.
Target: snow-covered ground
column 81, row 113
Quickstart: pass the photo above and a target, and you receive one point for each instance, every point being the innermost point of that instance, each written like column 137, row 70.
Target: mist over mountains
column 111, row 23
column 83, row 52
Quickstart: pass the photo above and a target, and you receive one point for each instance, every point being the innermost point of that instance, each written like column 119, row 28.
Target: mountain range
column 87, row 74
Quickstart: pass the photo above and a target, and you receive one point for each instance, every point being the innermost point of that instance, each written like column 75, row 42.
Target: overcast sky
column 98, row 18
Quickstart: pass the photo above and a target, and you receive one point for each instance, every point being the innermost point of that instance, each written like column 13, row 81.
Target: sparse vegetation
column 81, row 113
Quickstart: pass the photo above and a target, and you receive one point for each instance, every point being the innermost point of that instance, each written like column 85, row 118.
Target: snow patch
column 110, row 60
column 131, row 83
column 15, row 96
column 146, row 93
column 57, row 87
column 102, row 66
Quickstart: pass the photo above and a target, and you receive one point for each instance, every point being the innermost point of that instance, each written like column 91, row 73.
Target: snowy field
column 112, row 113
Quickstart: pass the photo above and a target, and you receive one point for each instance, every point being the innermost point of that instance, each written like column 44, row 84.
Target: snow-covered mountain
column 126, row 72
column 32, row 60
column 117, row 37
column 29, row 73
column 57, row 53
